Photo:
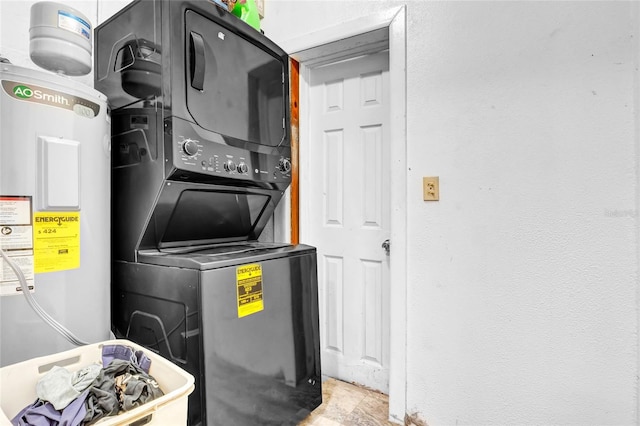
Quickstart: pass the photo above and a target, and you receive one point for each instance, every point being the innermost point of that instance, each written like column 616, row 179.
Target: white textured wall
column 522, row 280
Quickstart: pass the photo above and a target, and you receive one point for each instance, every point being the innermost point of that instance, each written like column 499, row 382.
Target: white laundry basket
column 18, row 385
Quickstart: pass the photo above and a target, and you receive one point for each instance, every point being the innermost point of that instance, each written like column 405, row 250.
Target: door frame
column 369, row 34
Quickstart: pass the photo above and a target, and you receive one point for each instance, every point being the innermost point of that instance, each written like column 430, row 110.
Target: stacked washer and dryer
column 200, row 159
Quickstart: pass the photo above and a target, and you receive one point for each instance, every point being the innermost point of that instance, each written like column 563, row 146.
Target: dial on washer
column 284, row 165
column 190, row 147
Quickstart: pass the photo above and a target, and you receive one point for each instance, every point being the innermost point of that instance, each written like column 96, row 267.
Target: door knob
column 386, row 245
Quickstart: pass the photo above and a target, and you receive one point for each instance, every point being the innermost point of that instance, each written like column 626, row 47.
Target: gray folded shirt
column 60, row 387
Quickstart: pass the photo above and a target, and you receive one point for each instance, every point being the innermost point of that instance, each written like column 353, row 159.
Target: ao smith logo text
column 56, row 219
column 25, row 92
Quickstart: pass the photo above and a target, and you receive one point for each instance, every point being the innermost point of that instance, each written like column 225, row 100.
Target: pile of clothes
column 121, row 383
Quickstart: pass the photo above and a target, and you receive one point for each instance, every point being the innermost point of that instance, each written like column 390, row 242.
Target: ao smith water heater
column 54, row 190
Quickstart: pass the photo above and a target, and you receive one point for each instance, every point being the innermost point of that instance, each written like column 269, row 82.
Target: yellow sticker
column 56, row 241
column 249, row 283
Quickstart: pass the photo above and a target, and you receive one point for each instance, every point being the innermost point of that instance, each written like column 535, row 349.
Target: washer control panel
column 219, row 159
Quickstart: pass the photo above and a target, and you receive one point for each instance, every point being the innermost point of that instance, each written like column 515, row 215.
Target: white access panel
column 58, row 174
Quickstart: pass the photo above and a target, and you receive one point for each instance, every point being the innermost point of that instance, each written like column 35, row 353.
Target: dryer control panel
column 212, row 156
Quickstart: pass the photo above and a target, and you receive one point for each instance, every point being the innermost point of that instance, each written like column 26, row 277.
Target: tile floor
column 349, row 405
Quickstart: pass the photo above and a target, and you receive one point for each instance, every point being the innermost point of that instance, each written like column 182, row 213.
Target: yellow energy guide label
column 56, row 241
column 249, row 283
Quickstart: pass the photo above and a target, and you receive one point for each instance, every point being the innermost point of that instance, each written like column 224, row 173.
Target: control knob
column 284, row 165
column 230, row 166
column 243, row 168
column 190, row 147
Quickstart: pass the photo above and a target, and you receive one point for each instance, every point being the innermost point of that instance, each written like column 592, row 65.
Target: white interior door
column 345, row 213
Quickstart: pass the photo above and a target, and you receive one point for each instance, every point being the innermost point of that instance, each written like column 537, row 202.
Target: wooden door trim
column 294, row 76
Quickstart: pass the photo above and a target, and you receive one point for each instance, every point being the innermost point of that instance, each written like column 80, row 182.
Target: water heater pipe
column 37, row 308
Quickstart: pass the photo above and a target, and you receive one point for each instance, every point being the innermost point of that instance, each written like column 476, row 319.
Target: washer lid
column 204, row 217
column 223, row 255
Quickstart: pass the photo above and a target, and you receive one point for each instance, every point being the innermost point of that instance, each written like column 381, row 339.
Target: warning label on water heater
column 56, row 241
column 249, row 284
column 16, row 241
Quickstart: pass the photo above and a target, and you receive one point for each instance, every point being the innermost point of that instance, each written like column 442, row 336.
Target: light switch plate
column 431, row 188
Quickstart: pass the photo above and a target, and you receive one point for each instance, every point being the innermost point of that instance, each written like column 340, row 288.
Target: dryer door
column 235, row 87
